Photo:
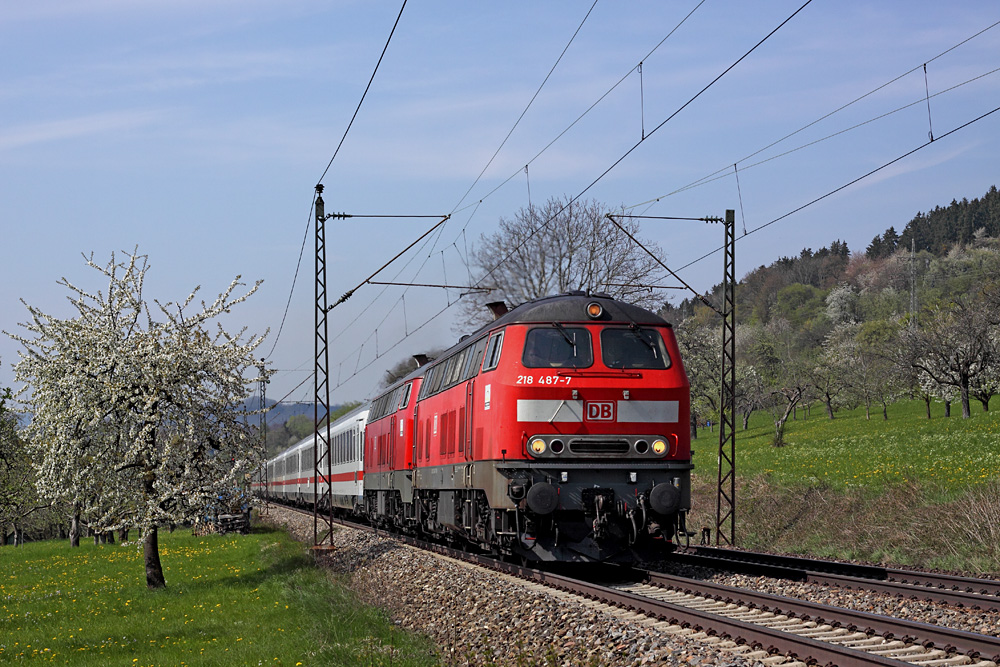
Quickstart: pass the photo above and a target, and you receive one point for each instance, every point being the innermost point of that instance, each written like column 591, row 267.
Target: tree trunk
column 986, row 403
column 74, row 528
column 123, row 535
column 694, row 426
column 151, row 555
column 746, row 420
column 966, row 408
column 109, row 537
column 829, row 406
column 947, row 408
column 927, row 404
column 779, row 432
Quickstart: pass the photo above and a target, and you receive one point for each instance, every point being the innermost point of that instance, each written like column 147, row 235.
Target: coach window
column 557, row 347
column 635, row 347
column 493, row 352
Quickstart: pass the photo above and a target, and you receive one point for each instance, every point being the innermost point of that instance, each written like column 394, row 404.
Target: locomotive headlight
column 659, row 447
column 538, row 446
column 594, row 310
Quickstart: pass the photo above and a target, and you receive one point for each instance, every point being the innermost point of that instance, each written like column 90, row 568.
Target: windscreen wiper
column 572, row 341
column 637, row 332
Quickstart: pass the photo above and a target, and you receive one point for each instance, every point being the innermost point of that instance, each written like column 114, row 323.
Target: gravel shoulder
column 477, row 617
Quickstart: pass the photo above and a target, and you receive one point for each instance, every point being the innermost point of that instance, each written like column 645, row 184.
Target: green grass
column 853, row 452
column 233, row 600
column 907, row 491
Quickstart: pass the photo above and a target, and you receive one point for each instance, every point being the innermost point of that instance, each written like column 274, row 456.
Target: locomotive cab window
column 635, row 347
column 557, row 347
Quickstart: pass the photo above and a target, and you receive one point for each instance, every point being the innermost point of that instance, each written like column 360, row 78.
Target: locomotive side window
column 406, row 396
column 475, row 359
column 634, row 347
column 493, row 352
column 425, row 388
column 557, row 347
column 437, row 378
column 455, row 367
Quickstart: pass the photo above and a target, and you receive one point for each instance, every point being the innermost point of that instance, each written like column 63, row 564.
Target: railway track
column 898, row 640
column 783, row 631
column 967, row 592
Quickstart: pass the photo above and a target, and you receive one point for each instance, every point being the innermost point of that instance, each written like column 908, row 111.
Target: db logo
column 601, row 411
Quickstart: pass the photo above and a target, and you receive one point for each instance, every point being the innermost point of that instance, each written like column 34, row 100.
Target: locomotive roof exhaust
column 498, row 308
column 421, row 359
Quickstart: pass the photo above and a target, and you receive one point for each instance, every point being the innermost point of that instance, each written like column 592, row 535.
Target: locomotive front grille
column 599, row 446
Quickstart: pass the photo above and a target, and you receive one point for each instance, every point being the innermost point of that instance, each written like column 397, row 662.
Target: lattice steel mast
column 725, row 506
column 322, row 461
column 263, row 481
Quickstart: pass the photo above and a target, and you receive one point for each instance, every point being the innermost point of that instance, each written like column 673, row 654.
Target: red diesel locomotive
column 558, row 432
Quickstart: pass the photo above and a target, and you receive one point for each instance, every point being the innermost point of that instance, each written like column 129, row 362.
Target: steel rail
column 925, row 634
column 890, row 587
column 952, row 589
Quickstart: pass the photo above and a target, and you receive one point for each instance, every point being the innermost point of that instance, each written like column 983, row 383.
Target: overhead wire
column 528, row 106
column 848, row 184
column 724, row 173
column 298, row 265
column 644, row 139
column 712, row 177
column 585, row 112
column 485, row 168
column 364, row 94
column 323, row 175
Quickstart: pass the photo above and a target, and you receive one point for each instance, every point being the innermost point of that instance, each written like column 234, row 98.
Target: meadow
column 907, row 491
column 230, row 600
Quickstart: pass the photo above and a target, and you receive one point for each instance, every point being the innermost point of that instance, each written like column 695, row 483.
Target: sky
column 197, row 131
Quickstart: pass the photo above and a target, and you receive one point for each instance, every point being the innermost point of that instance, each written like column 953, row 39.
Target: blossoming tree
column 136, row 418
column 17, row 488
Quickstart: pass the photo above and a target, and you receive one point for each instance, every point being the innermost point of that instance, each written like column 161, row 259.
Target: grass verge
column 233, row 600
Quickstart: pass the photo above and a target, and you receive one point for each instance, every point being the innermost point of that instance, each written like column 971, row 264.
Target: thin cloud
column 72, row 128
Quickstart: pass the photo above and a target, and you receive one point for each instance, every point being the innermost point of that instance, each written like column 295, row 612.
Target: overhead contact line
column 646, row 137
column 850, row 183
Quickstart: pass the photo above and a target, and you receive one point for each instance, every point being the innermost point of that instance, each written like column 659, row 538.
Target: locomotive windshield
column 558, row 347
column 634, row 347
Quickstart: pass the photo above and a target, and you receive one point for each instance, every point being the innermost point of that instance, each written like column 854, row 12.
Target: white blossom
column 135, row 410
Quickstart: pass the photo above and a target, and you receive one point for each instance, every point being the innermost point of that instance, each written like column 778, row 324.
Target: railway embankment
column 479, row 617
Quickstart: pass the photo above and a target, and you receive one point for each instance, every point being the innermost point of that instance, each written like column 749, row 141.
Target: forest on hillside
column 916, row 314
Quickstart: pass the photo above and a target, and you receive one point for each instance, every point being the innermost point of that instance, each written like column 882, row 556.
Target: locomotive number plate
column 543, row 379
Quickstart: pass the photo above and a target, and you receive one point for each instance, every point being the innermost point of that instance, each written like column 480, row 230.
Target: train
column 560, row 431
